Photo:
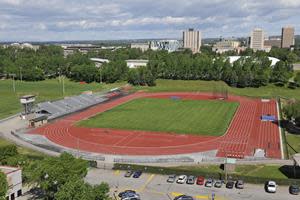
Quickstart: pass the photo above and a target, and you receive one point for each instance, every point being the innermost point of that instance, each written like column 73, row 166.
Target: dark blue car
column 126, row 193
column 137, row 174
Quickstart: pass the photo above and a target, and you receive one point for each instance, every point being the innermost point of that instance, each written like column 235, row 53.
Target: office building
column 257, row 39
column 287, row 37
column 14, row 180
column 192, row 40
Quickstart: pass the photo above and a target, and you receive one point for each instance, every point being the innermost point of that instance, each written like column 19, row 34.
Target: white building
column 142, row 46
column 192, row 40
column 136, row 63
column 273, row 60
column 14, row 180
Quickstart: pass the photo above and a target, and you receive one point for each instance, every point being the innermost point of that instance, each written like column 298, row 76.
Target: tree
column 292, row 58
column 52, row 173
column 83, row 72
column 141, row 76
column 74, row 189
column 292, row 111
column 297, row 78
column 114, row 71
column 77, row 189
column 101, row 191
column 281, row 73
column 7, row 151
column 3, row 186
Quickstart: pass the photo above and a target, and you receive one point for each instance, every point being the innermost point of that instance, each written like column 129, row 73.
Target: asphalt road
column 155, row 187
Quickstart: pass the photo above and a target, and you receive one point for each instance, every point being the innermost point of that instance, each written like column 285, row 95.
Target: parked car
column 209, row 182
column 191, row 180
column 218, row 184
column 171, row 178
column 230, row 184
column 181, row 179
column 126, row 193
column 183, row 197
column 137, row 174
column 294, row 189
column 239, row 184
column 131, row 196
column 128, row 173
column 200, row 180
column 271, row 186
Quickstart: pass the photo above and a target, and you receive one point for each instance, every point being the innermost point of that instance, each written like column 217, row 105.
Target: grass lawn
column 263, row 171
column 294, row 142
column 177, row 116
column 45, row 90
column 208, row 86
column 22, row 150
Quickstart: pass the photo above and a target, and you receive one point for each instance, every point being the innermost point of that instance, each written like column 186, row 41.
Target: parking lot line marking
column 117, row 172
column 147, row 182
column 175, row 194
column 201, row 197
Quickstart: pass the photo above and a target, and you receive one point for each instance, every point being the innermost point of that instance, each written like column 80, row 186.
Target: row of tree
column 252, row 71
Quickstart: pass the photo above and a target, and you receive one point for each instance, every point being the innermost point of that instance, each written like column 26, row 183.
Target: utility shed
column 38, row 121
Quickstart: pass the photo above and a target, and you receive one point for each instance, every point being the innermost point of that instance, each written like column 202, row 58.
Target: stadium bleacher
column 56, row 109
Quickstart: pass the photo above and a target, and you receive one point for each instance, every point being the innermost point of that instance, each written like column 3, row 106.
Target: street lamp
column 14, row 84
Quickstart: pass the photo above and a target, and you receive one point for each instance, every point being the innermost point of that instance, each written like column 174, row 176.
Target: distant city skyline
column 61, row 20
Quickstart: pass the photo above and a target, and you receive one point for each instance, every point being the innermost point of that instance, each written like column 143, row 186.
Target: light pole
column 21, row 77
column 63, row 85
column 13, row 84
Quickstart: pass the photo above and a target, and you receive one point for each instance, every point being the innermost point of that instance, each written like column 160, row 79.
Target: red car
column 200, row 180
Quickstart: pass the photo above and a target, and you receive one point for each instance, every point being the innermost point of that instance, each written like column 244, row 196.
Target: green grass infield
column 197, row 117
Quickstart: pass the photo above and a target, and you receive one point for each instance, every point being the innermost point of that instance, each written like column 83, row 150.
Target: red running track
column 245, row 133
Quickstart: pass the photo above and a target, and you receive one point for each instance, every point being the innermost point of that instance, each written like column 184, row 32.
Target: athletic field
column 197, row 117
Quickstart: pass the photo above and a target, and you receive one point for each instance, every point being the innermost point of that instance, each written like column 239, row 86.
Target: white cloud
column 89, row 19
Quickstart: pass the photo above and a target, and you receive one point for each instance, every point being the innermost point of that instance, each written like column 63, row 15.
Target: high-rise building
column 192, row 40
column 287, row 37
column 257, row 39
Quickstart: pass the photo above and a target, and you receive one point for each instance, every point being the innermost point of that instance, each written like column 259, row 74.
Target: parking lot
column 155, row 187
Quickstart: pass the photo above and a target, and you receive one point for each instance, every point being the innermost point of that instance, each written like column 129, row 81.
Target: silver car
column 171, row 178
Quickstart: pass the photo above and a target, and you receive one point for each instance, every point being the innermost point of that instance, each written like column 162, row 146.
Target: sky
column 59, row 20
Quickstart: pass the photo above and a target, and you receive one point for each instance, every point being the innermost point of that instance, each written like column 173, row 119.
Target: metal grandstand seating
column 69, row 105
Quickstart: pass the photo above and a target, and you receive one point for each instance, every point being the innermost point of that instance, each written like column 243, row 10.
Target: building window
column 19, row 193
column 12, row 196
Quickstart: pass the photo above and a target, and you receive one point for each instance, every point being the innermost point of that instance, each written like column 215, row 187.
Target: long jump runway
column 245, row 134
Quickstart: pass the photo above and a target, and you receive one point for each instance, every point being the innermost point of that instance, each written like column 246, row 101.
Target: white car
column 271, row 186
column 181, row 179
